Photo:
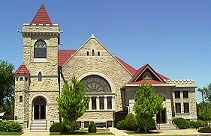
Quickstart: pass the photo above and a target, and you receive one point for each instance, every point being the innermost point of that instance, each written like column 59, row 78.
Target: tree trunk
column 72, row 126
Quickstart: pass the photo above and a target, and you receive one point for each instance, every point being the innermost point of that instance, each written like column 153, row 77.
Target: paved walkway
column 190, row 132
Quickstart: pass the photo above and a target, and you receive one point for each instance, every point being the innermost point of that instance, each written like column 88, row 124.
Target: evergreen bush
column 92, row 127
column 10, row 127
column 181, row 123
column 58, row 127
column 14, row 127
column 130, row 122
column 204, row 130
column 121, row 125
column 3, row 126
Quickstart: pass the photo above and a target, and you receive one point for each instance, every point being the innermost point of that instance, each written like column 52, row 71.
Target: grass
column 80, row 132
column 11, row 133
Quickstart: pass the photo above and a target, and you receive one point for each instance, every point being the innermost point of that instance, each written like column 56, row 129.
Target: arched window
column 39, row 76
column 95, row 83
column 40, row 49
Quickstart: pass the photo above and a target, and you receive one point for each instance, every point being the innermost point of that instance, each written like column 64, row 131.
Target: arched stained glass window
column 95, row 83
column 40, row 49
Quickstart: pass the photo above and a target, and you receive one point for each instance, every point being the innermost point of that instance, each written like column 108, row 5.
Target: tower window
column 87, row 53
column 21, row 78
column 40, row 49
column 93, row 52
column 21, row 99
column 98, row 53
column 39, row 76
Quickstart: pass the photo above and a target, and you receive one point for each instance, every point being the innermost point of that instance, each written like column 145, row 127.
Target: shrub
column 77, row 125
column 10, row 127
column 58, row 127
column 92, row 127
column 3, row 126
column 181, row 123
column 121, row 125
column 204, row 130
column 14, row 127
column 130, row 122
column 201, row 123
column 145, row 124
column 193, row 124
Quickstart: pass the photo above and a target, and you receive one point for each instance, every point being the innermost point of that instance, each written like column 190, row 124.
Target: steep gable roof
column 22, row 70
column 127, row 66
column 156, row 78
column 42, row 17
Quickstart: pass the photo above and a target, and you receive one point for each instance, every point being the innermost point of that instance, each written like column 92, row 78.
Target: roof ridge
column 41, row 17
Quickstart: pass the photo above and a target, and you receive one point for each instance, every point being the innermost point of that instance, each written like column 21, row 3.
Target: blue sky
column 174, row 37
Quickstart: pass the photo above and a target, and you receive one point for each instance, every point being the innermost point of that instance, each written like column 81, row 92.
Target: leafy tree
column 206, row 93
column 72, row 103
column 6, row 89
column 148, row 103
column 205, row 111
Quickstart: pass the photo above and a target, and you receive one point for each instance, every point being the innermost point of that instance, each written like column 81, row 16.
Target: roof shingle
column 22, row 70
column 42, row 17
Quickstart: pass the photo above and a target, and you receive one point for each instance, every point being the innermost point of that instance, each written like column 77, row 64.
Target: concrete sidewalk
column 116, row 132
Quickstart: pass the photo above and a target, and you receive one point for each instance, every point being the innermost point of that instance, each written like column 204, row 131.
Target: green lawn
column 11, row 133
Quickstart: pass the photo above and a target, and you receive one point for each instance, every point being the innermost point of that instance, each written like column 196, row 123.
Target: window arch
column 40, row 49
column 95, row 83
column 39, row 76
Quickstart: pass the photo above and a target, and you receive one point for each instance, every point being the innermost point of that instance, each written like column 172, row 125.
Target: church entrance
column 39, row 108
column 161, row 116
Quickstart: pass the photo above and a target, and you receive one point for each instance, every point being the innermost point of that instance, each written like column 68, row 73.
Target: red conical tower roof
column 22, row 70
column 41, row 17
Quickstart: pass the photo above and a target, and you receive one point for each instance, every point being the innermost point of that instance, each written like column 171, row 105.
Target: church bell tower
column 40, row 52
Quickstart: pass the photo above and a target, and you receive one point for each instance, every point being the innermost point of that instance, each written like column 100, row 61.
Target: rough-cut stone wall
column 48, row 88
column 191, row 100
column 105, row 65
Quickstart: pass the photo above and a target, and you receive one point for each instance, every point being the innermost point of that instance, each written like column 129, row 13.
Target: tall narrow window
column 109, row 102
column 93, row 52
column 101, row 102
column 185, row 94
column 98, row 53
column 186, row 107
column 39, row 76
column 40, row 49
column 21, row 99
column 178, row 107
column 94, row 103
column 87, row 53
column 177, row 94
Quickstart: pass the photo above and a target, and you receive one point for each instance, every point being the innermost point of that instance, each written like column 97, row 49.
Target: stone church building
column 111, row 82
